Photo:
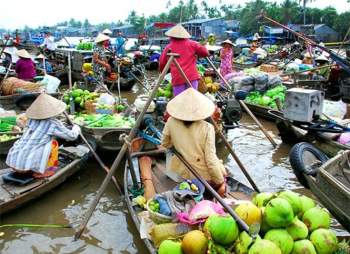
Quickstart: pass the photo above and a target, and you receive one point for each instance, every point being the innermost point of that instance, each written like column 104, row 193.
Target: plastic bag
column 334, row 109
column 106, row 99
column 292, row 67
column 274, row 81
column 261, row 79
column 51, row 83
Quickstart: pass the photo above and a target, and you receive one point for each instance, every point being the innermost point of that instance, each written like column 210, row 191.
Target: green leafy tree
column 304, row 3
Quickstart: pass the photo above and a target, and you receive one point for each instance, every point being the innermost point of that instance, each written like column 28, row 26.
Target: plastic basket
column 157, row 217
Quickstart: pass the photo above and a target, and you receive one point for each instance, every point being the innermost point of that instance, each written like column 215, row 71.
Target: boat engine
column 231, row 111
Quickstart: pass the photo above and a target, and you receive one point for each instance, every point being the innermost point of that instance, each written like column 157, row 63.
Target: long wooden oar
column 123, row 150
column 240, row 222
column 229, row 147
column 98, row 159
column 250, row 113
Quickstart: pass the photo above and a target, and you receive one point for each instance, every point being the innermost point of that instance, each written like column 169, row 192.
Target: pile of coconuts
column 290, row 223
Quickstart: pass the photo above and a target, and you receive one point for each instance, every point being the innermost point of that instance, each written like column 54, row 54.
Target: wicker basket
column 157, row 217
column 268, row 68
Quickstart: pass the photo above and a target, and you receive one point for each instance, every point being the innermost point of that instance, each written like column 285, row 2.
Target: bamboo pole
column 122, row 151
column 98, row 159
column 250, row 113
column 217, row 129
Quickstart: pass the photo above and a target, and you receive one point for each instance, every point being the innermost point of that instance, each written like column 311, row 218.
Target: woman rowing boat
column 188, row 132
column 36, row 152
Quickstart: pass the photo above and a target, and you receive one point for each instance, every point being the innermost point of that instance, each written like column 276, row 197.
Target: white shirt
column 49, row 42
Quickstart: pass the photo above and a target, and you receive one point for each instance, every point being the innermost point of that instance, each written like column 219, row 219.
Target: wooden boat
column 163, row 183
column 243, row 66
column 330, row 183
column 323, row 141
column 5, row 146
column 105, row 138
column 12, row 102
column 261, row 111
column 13, row 196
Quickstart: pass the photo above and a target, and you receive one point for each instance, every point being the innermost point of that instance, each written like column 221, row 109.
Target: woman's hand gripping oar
column 253, row 230
column 98, row 159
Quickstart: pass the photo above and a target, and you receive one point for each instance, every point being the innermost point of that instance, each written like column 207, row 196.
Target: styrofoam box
column 303, row 104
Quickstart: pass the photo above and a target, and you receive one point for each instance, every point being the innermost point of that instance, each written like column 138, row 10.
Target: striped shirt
column 32, row 150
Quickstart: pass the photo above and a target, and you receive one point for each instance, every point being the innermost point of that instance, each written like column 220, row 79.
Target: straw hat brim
column 41, row 56
column 107, row 31
column 101, row 38
column 44, row 107
column 23, row 53
column 179, row 32
column 321, row 58
column 227, row 42
column 190, row 105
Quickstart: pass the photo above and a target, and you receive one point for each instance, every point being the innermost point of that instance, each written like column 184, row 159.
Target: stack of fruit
column 290, row 223
column 7, row 137
column 165, row 92
column 267, row 99
column 79, row 97
column 212, row 87
column 85, row 46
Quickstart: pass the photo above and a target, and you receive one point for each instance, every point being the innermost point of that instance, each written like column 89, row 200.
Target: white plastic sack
column 106, row 99
column 51, row 83
column 334, row 109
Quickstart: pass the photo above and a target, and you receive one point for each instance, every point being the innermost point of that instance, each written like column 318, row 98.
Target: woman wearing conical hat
column 188, row 132
column 25, row 67
column 226, row 54
column 36, row 152
column 189, row 51
column 99, row 60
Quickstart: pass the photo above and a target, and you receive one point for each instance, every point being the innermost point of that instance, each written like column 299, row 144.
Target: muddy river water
column 110, row 229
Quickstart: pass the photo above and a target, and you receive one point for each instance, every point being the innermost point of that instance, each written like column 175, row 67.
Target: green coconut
column 293, row 199
column 303, row 247
column 278, row 213
column 223, row 229
column 264, row 227
column 324, row 240
column 264, row 247
column 306, row 204
column 261, row 199
column 281, row 238
column 242, row 243
column 194, row 242
column 316, row 218
column 169, row 246
column 297, row 229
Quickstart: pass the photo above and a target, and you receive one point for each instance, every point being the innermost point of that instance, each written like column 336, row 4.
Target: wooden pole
column 217, row 129
column 240, row 222
column 69, row 71
column 98, row 159
column 250, row 113
column 122, row 151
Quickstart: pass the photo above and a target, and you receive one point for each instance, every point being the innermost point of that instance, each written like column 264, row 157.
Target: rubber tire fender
column 297, row 163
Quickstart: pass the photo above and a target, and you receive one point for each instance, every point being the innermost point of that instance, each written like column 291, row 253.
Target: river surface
column 110, row 229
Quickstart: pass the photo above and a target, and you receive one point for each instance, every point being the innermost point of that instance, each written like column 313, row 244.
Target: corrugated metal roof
column 200, row 21
column 123, row 27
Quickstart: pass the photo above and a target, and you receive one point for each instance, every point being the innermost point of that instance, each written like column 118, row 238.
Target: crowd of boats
column 281, row 83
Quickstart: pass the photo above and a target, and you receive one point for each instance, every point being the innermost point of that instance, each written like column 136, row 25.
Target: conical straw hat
column 321, row 58
column 40, row 56
column 227, row 42
column 101, row 37
column 107, row 31
column 23, row 53
column 190, row 105
column 178, row 31
column 44, row 107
